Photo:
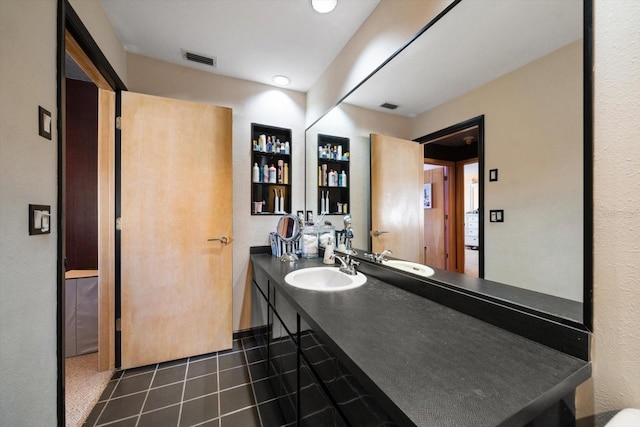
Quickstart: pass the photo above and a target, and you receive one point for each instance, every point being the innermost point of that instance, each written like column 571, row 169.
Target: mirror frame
column 587, row 321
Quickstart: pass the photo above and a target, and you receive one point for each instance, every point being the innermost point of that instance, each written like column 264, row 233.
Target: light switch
column 39, row 219
column 496, row 215
column 44, row 123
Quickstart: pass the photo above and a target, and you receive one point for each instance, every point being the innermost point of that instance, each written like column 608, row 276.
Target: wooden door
column 434, row 220
column 176, row 191
column 396, row 197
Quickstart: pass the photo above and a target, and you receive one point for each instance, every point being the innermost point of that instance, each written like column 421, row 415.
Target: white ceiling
column 251, row 39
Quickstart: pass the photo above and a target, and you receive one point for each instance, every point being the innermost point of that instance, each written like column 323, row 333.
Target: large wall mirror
column 520, row 67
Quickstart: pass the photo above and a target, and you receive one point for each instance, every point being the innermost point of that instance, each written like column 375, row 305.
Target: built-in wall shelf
column 333, row 175
column 271, row 149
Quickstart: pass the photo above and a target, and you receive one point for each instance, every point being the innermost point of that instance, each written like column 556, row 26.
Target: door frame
column 460, row 216
column 73, row 36
column 458, row 127
column 450, row 201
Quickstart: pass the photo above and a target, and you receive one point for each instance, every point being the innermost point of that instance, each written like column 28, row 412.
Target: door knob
column 377, row 233
column 224, row 240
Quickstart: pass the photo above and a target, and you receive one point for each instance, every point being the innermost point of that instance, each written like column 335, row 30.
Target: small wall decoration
column 426, row 196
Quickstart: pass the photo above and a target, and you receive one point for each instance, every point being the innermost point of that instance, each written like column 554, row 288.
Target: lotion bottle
column 328, row 252
column 280, row 171
column 263, row 143
column 286, row 173
column 265, row 173
column 343, row 179
column 256, row 173
column 272, row 174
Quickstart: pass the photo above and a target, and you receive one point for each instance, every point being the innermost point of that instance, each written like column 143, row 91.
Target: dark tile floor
column 225, row 389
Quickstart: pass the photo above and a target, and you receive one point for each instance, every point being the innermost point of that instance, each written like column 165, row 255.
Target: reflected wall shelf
column 333, row 157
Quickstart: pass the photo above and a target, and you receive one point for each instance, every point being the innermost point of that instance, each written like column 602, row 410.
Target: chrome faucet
column 347, row 264
column 379, row 258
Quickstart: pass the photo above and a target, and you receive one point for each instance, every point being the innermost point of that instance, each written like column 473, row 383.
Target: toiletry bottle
column 280, row 171
column 272, row 174
column 324, row 175
column 343, row 179
column 287, row 147
column 286, row 173
column 319, row 176
column 263, row 143
column 280, row 146
column 326, row 204
column 256, row 173
column 276, row 202
column 339, row 180
column 322, row 206
column 339, row 152
column 265, row 173
column 282, row 202
column 328, row 252
column 269, row 144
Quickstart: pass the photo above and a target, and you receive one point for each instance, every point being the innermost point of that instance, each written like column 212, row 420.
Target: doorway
column 87, row 256
column 458, row 150
column 78, row 54
column 84, row 380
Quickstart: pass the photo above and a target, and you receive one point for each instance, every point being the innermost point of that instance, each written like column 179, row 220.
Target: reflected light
column 324, row 6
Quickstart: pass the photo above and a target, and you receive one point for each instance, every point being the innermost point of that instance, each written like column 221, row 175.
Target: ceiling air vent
column 200, row 59
column 389, row 106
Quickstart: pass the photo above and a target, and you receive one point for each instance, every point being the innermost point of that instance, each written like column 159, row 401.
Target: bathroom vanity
column 380, row 355
column 81, row 312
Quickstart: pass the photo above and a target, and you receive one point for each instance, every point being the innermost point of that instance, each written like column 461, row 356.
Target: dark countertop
column 438, row 366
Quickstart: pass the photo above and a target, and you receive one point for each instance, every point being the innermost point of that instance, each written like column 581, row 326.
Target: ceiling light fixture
column 324, row 6
column 281, row 80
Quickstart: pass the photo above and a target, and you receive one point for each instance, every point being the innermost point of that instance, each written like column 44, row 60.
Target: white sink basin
column 326, row 279
column 410, row 267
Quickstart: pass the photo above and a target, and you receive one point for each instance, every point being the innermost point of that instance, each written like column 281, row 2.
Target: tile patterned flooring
column 224, row 389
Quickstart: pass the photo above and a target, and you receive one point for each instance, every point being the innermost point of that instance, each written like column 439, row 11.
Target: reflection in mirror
column 288, row 230
column 520, row 66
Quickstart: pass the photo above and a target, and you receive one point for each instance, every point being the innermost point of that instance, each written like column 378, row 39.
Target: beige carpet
column 83, row 387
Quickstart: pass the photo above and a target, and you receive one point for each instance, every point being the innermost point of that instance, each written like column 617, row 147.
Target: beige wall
column 251, row 102
column 533, row 136
column 28, row 174
column 616, row 340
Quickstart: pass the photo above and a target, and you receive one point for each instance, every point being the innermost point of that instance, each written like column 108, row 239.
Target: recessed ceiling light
column 324, row 6
column 281, row 80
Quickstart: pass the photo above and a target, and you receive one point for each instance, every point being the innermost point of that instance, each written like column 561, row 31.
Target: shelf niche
column 263, row 191
column 337, row 158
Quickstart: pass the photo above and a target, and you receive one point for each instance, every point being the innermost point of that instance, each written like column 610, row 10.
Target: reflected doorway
column 456, row 153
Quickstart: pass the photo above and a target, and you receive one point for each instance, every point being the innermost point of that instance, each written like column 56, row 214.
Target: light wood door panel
column 176, row 193
column 434, row 220
column 396, row 196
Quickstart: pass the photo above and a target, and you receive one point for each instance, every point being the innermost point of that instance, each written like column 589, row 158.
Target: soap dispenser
column 328, row 252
